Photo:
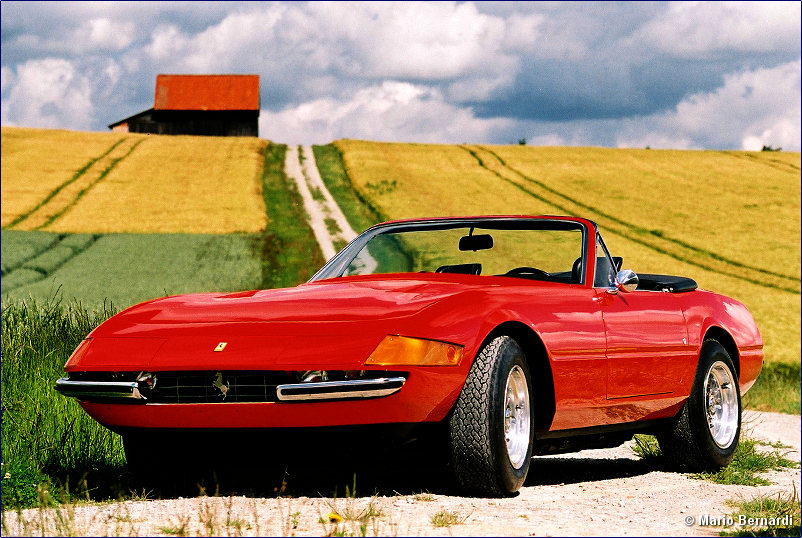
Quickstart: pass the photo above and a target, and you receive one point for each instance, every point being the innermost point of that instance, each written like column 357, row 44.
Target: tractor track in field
column 603, row 492
column 63, row 198
column 633, row 232
column 36, row 266
column 80, row 172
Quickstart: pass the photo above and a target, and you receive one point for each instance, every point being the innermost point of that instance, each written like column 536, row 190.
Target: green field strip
column 80, row 172
column 82, row 192
column 47, row 261
column 288, row 250
column 643, row 231
column 124, row 269
column 21, row 277
column 16, row 253
column 358, row 210
column 623, row 233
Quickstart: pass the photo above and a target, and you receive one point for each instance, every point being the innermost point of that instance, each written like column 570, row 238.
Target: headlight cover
column 79, row 352
column 395, row 350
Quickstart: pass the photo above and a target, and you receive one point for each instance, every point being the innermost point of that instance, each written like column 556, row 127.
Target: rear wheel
column 491, row 426
column 705, row 434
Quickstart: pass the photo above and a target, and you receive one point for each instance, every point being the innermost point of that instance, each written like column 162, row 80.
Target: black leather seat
column 462, row 269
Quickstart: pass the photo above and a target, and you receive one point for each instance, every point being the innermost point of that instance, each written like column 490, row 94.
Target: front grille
column 189, row 387
column 216, row 387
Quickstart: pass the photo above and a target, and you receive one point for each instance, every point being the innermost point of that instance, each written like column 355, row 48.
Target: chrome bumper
column 291, row 392
column 335, row 390
column 99, row 389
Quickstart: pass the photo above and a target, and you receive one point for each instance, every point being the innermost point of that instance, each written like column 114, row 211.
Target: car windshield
column 534, row 249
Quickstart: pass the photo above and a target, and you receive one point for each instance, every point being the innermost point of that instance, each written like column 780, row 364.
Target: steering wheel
column 526, row 271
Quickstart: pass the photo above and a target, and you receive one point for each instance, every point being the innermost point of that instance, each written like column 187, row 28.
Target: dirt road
column 592, row 493
column 325, row 217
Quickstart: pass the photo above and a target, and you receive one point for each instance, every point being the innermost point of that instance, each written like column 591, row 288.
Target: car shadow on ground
column 361, row 473
column 551, row 470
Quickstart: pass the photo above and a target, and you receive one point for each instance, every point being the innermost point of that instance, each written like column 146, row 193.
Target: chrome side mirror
column 626, row 280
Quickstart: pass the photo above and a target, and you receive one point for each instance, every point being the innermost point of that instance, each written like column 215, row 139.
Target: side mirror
column 626, row 280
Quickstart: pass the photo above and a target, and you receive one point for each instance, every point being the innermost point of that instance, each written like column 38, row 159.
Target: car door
column 646, row 337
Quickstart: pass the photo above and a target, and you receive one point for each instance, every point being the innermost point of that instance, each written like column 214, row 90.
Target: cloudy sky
column 716, row 75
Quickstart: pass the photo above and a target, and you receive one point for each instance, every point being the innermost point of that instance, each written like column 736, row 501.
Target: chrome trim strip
column 99, row 389
column 334, row 390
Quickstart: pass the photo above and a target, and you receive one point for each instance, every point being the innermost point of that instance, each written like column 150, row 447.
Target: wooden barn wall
column 203, row 123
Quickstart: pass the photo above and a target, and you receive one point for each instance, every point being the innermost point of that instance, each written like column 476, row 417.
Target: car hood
column 337, row 321
column 343, row 299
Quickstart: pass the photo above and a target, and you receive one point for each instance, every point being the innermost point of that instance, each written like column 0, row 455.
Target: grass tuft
column 771, row 516
column 747, row 464
column 447, row 518
column 647, row 447
column 744, row 469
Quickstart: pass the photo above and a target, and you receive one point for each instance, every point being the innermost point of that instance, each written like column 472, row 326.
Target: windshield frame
column 335, row 267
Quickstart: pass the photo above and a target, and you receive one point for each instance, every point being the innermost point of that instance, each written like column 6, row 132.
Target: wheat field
column 73, row 182
column 37, row 161
column 730, row 220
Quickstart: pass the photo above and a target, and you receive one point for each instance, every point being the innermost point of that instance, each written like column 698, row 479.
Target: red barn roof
column 207, row 92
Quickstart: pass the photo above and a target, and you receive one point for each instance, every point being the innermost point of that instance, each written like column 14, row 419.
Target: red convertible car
column 517, row 335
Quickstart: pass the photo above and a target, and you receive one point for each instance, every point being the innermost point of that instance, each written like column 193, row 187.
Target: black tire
column 479, row 452
column 689, row 443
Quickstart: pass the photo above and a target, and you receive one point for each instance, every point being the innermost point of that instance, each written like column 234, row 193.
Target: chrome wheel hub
column 721, row 404
column 516, row 417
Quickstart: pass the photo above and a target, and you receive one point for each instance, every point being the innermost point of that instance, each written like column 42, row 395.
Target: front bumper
column 100, row 391
column 426, row 395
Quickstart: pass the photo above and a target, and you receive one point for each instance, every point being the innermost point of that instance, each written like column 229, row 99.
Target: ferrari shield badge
column 221, row 346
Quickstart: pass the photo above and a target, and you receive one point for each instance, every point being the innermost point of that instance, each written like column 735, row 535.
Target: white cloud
column 434, row 41
column 48, row 93
column 752, row 108
column 692, row 29
column 7, row 78
column 105, row 34
column 546, row 140
column 392, row 111
column 431, row 41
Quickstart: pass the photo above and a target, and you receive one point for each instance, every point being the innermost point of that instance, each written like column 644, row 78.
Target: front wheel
column 491, row 426
column 705, row 434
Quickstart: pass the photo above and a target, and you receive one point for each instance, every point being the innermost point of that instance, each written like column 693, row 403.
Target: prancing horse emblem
column 218, row 384
column 221, row 346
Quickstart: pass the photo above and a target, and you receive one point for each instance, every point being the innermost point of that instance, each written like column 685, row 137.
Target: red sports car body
column 402, row 346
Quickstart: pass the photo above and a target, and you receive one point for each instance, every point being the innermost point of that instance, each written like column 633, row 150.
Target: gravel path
column 325, row 217
column 607, row 492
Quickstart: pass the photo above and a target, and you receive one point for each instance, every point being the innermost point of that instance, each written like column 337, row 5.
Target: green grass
column 647, row 447
column 744, row 469
column 17, row 248
column 747, row 464
column 289, row 252
column 776, row 389
column 124, row 269
column 48, row 443
column 783, row 507
column 358, row 210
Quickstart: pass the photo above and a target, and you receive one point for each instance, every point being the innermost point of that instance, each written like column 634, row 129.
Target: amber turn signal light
column 396, row 350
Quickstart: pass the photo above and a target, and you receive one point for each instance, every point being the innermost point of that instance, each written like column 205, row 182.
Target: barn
column 210, row 105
